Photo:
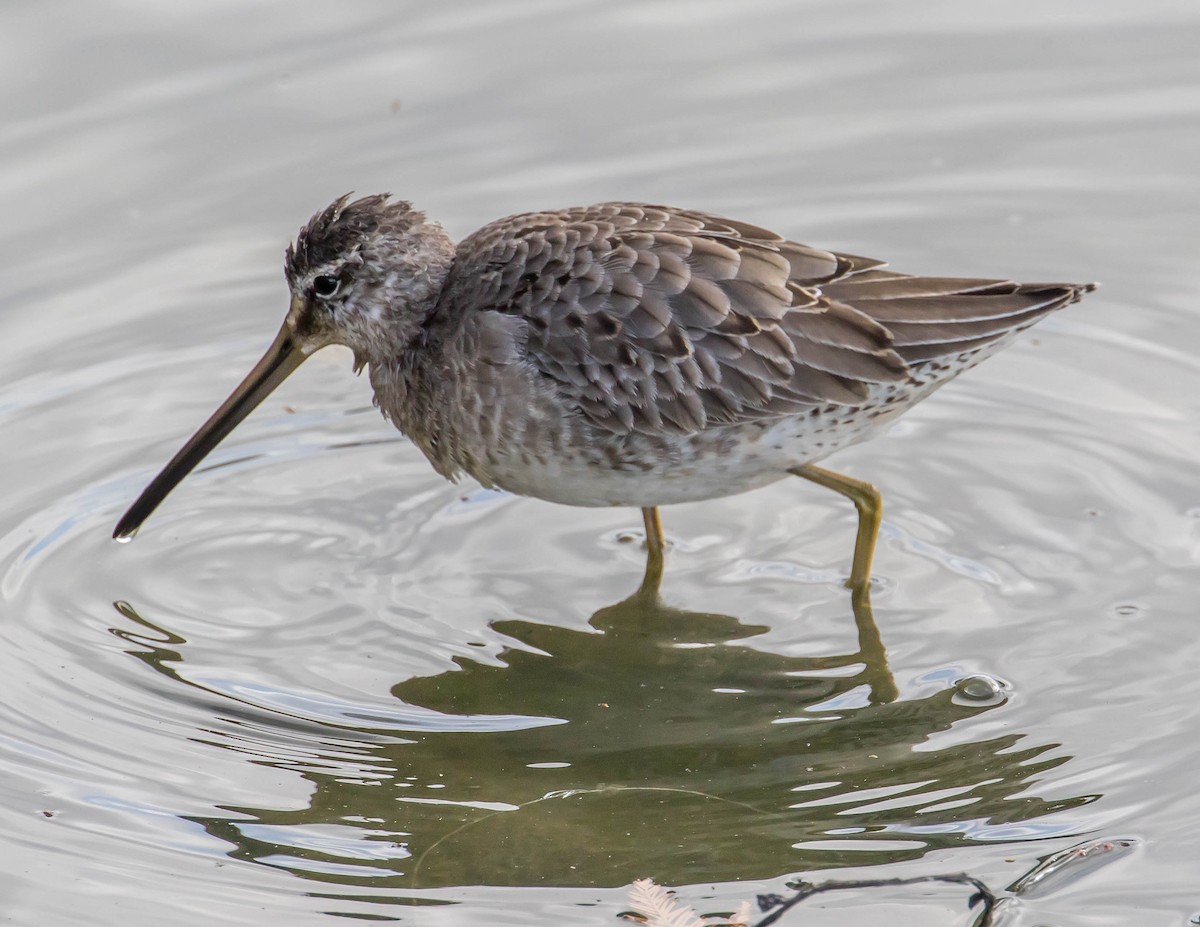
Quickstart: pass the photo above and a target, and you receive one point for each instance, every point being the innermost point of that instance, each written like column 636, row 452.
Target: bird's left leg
column 870, row 512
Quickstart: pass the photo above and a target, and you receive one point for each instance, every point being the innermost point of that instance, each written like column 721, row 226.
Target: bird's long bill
column 282, row 357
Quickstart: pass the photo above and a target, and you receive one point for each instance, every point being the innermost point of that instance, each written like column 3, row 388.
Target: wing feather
column 648, row 318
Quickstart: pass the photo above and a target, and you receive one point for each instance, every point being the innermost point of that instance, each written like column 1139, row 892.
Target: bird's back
column 650, row 319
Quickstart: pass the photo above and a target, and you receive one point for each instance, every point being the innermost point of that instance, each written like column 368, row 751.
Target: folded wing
column 654, row 319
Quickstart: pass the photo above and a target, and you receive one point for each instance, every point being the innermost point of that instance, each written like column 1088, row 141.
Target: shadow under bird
column 622, row 354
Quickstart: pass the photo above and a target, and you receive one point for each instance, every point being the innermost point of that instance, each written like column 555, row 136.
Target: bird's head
column 365, row 274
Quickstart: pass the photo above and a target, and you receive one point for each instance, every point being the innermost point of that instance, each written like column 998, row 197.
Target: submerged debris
column 1068, row 865
column 656, row 906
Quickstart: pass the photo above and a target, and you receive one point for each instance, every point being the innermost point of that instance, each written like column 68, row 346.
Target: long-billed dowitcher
column 622, row 354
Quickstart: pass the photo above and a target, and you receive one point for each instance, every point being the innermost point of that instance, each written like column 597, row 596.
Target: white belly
column 718, row 462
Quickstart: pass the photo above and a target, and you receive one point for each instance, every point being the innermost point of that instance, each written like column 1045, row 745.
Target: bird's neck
column 408, row 391
column 411, row 276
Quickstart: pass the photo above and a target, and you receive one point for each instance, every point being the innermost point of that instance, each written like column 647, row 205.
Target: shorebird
column 622, row 354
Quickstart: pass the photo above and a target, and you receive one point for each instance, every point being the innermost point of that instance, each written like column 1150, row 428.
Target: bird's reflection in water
column 871, row 654
column 681, row 751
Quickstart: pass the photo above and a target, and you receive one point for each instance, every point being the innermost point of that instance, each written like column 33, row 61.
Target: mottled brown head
column 365, row 274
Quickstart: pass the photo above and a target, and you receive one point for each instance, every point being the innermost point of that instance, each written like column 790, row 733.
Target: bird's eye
column 325, row 285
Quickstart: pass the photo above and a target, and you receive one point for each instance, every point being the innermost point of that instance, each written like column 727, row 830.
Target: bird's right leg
column 654, row 532
column 654, row 550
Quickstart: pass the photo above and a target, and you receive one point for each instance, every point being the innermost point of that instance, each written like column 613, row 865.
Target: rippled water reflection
column 665, row 736
column 323, row 681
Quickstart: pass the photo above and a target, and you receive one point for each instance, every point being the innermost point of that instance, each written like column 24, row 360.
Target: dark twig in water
column 779, row 905
column 658, row 908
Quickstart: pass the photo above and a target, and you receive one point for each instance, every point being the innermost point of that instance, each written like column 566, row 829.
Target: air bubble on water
column 981, row 689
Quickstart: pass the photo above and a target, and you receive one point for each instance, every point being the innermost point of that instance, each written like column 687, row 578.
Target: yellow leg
column 654, row 551
column 870, row 512
column 654, row 535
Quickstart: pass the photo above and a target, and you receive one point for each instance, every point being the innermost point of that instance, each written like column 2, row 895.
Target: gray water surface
column 323, row 682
